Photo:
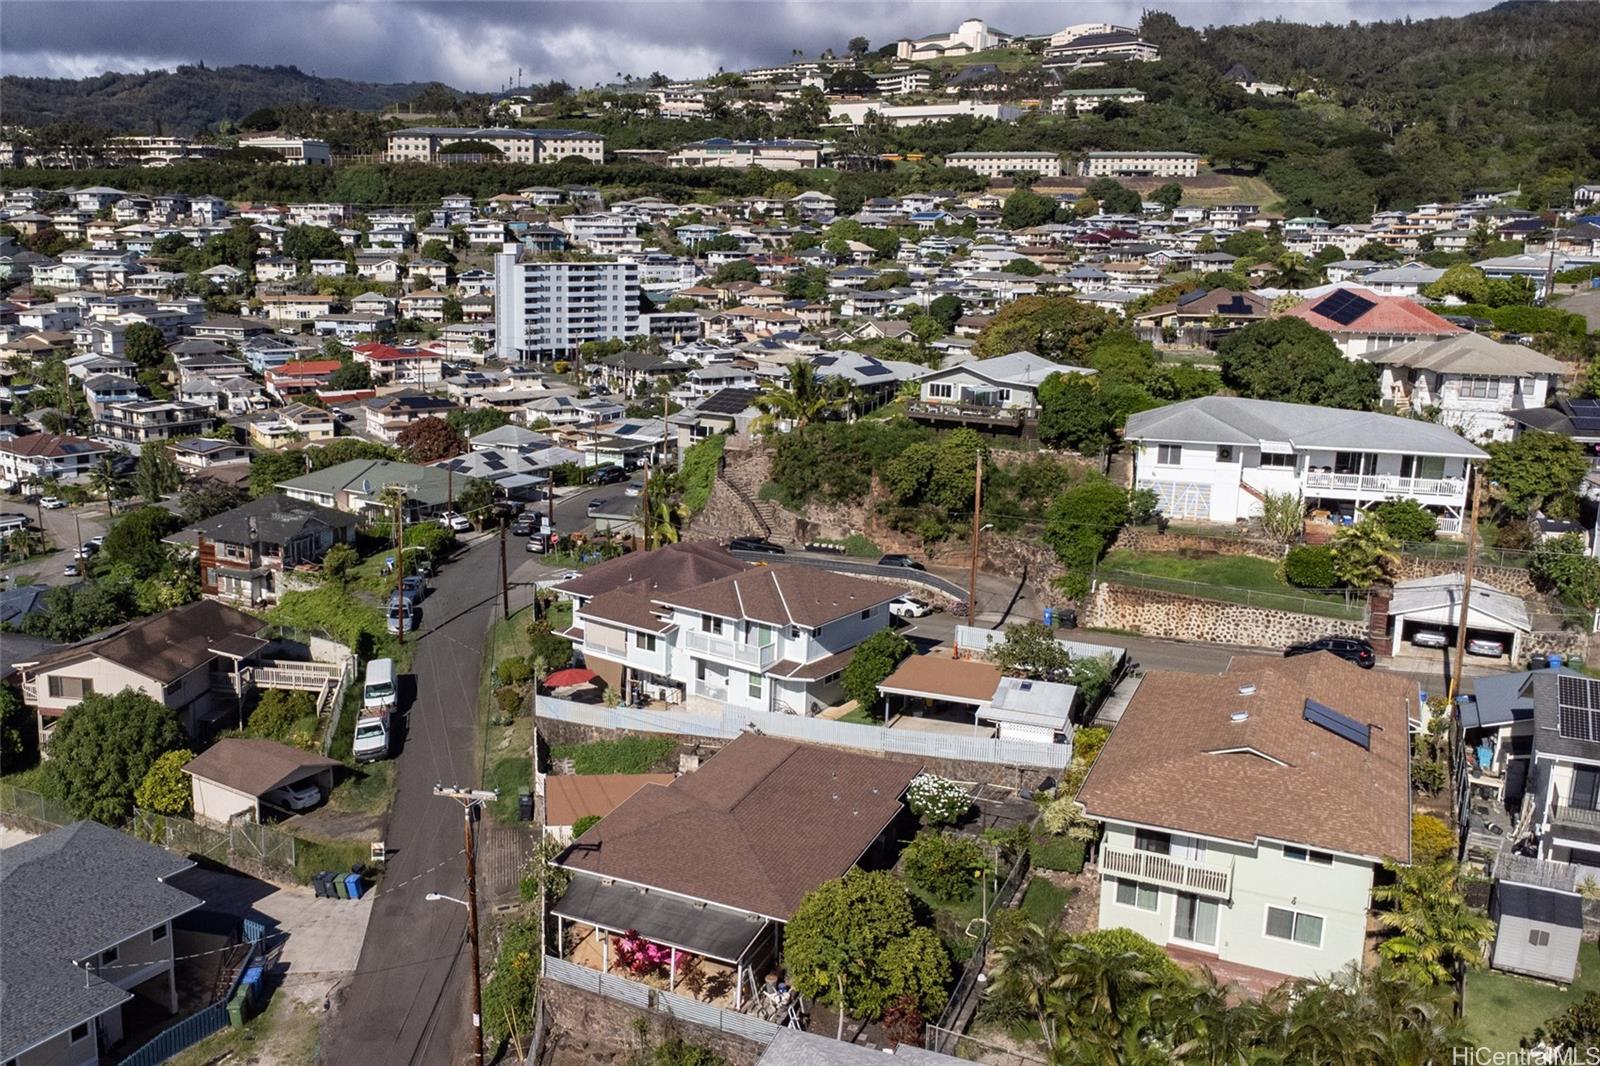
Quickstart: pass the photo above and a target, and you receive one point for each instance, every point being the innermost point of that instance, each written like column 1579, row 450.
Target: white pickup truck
column 379, row 695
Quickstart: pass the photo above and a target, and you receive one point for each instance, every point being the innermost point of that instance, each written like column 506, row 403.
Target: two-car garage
column 1425, row 611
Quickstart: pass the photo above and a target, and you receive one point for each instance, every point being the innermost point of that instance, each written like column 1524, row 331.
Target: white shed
column 1538, row 930
column 1031, row 710
column 1434, row 604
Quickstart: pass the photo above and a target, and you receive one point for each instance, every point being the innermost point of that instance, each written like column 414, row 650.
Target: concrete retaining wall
column 1166, row 614
column 589, row 1028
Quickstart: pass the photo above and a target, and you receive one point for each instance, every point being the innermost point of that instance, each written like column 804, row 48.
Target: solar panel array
column 1344, row 306
column 1585, row 416
column 1236, row 306
column 1339, row 725
column 1190, row 297
column 1578, row 705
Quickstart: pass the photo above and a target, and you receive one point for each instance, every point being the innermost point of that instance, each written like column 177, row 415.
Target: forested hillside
column 186, row 100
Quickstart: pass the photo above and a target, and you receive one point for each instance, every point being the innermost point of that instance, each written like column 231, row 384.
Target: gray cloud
column 479, row 46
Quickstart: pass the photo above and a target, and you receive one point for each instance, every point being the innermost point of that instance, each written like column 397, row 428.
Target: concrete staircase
column 745, row 476
column 735, row 508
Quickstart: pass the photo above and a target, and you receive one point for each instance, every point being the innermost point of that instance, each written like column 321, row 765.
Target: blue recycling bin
column 251, row 983
column 353, row 885
column 1555, row 662
column 1049, row 616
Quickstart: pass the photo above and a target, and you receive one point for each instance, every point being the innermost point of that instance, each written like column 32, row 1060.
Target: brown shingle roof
column 668, row 569
column 1178, row 760
column 761, row 824
column 253, row 766
column 784, row 595
column 168, row 645
column 939, row 676
column 569, row 797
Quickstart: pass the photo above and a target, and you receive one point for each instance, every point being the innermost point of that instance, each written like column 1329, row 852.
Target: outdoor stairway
column 745, row 475
column 1378, row 617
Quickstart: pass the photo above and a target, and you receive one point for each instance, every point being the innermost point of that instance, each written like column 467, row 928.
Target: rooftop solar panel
column 1338, row 724
column 1190, row 297
column 1236, row 306
column 1578, row 715
column 1344, row 306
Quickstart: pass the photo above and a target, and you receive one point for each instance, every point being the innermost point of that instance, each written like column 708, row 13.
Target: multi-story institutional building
column 546, row 307
column 296, row 151
column 428, row 144
column 774, row 155
column 1140, row 165
column 995, row 164
column 145, row 151
column 1082, row 100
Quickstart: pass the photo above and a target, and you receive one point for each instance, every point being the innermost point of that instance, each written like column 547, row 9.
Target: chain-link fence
column 241, row 841
column 32, row 809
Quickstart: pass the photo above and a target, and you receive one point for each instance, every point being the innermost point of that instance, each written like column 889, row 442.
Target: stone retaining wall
column 1505, row 578
column 1564, row 642
column 1167, row 614
column 1150, row 539
column 588, row 1028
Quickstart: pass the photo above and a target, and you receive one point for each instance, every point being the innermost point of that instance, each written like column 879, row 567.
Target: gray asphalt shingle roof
column 1236, row 420
column 67, row 895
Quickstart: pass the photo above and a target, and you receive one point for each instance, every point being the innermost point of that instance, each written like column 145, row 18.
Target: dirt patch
column 1082, row 912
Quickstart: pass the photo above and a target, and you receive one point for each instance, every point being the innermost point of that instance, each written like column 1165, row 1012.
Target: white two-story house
column 1468, row 382
column 1214, row 459
column 762, row 638
column 999, row 392
column 1245, row 813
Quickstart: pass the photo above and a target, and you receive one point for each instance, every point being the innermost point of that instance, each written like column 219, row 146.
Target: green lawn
column 1500, row 1009
column 1043, row 902
column 1235, row 578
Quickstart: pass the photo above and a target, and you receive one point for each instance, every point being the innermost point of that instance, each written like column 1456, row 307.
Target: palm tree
column 105, row 481
column 803, row 398
column 1024, row 967
column 1435, row 931
column 667, row 515
column 1293, row 272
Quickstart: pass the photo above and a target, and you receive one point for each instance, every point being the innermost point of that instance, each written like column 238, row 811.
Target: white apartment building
column 971, row 36
column 295, row 151
column 426, row 144
column 773, row 155
column 903, row 82
column 767, row 638
column 44, row 456
column 605, row 233
column 1083, row 100
column 545, row 308
column 1140, row 165
column 1215, row 457
column 1246, row 813
column 997, row 164
column 155, row 151
column 855, row 112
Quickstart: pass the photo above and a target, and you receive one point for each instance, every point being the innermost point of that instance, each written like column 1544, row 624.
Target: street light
column 434, row 897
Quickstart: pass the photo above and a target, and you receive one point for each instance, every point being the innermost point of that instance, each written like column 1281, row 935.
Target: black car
column 606, row 475
column 905, row 562
column 1357, row 650
column 754, row 544
column 525, row 524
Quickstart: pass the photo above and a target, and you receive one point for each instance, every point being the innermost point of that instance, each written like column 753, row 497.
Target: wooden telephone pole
column 505, row 586
column 472, row 800
column 400, row 563
column 1457, row 763
column 977, row 518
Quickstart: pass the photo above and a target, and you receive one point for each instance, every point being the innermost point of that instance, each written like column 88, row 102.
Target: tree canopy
column 1058, row 328
column 1290, row 360
column 104, row 747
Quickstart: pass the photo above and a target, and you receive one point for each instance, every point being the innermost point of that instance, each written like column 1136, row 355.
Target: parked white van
column 379, row 693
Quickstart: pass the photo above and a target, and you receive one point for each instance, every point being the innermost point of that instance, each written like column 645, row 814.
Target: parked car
column 96, row 542
column 52, row 503
column 458, row 523
column 633, row 488
column 754, row 544
column 1356, row 650
column 70, row 570
column 410, row 594
column 596, row 505
column 525, row 524
column 1485, row 646
column 537, row 542
column 909, row 607
column 903, row 561
column 296, row 797
column 415, row 587
column 606, row 475
column 1430, row 638
column 394, row 616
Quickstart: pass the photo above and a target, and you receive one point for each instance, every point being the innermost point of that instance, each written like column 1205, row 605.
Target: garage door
column 1181, row 499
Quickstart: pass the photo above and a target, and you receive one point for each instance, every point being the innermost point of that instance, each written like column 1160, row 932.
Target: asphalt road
column 62, row 535
column 407, row 1002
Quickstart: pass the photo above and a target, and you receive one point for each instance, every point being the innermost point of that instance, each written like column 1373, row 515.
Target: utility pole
column 471, row 801
column 977, row 518
column 400, row 562
column 505, row 587
column 450, row 488
column 78, row 527
column 1461, row 638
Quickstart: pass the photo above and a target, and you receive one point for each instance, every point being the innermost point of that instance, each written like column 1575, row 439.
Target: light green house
column 1245, row 813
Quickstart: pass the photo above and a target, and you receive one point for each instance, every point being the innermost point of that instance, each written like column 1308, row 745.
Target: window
column 1133, row 894
column 1430, row 467
column 755, row 686
column 1528, row 386
column 710, row 624
column 109, row 956
column 866, row 614
column 158, row 934
column 1355, row 463
column 1478, row 387
column 1321, row 858
column 1277, row 459
column 941, row 392
column 1539, row 938
column 644, row 641
column 1284, row 924
column 1169, row 454
column 1224, row 453
column 79, row 1032
column 70, row 688
column 1152, row 841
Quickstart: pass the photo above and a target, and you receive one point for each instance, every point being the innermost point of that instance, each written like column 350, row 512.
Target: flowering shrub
column 937, row 801
column 639, row 956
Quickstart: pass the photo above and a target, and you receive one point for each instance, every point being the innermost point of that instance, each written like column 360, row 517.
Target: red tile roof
column 309, row 368
column 1393, row 314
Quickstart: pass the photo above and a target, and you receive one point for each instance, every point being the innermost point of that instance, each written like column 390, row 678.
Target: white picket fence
column 730, row 723
column 658, row 999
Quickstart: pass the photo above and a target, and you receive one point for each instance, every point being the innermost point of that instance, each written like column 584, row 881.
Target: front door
column 1195, row 920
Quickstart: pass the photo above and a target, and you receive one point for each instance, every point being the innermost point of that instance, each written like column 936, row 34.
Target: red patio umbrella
column 573, row 676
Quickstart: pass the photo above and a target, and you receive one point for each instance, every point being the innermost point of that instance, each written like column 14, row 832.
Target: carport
column 230, row 777
column 1434, row 603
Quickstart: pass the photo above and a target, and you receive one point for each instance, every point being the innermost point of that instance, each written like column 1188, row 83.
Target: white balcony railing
column 711, row 692
column 727, row 649
column 1169, row 872
column 1450, row 487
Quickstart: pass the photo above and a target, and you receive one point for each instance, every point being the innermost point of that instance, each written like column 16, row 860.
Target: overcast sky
column 479, row 46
